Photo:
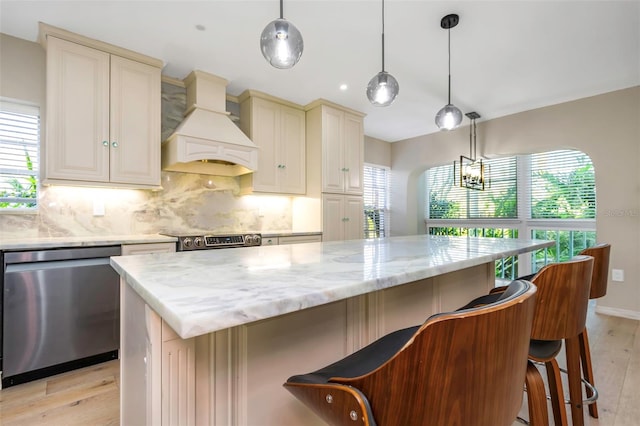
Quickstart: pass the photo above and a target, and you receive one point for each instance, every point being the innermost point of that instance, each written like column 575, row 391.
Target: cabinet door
column 354, row 214
column 332, row 217
column 265, row 130
column 300, row 239
column 135, row 122
column 77, row 141
column 333, row 168
column 271, row 241
column 132, row 249
column 353, row 154
column 291, row 162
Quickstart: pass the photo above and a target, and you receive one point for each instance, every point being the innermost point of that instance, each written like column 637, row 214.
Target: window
column 562, row 186
column 376, row 210
column 19, row 137
column 563, row 197
column 549, row 196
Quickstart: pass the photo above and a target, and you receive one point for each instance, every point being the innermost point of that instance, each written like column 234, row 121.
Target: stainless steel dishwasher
column 60, row 311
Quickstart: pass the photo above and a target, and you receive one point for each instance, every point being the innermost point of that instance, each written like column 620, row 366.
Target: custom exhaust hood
column 207, row 141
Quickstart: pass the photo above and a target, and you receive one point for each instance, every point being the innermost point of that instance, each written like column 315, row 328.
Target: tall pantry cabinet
column 335, row 161
column 103, row 113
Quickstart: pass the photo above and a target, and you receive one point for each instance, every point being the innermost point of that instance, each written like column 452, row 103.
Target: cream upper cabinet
column 277, row 127
column 342, row 217
column 340, row 133
column 103, row 117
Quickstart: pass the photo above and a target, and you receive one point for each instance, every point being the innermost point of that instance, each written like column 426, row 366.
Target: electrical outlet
column 617, row 275
column 98, row 208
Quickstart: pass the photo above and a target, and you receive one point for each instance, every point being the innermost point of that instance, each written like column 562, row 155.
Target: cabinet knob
column 105, row 143
column 114, row 144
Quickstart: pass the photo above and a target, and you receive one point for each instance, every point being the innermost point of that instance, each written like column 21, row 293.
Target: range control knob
column 248, row 240
column 198, row 242
column 257, row 240
column 186, row 242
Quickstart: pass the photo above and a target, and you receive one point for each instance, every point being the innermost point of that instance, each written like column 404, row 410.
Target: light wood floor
column 90, row 396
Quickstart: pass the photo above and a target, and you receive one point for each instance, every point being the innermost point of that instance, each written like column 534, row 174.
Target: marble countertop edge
column 192, row 324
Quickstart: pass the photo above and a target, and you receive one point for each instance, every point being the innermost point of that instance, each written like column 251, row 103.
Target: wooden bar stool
column 560, row 315
column 599, row 280
column 465, row 367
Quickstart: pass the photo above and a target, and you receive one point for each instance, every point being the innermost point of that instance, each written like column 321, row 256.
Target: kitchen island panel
column 280, row 347
column 241, row 369
column 252, row 317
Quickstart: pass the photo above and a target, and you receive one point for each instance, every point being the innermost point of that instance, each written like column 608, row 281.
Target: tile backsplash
column 187, row 203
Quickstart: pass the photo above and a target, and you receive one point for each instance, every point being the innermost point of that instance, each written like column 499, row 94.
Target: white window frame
column 19, row 107
column 386, row 209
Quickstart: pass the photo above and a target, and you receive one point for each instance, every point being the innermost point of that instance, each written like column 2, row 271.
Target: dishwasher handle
column 60, row 254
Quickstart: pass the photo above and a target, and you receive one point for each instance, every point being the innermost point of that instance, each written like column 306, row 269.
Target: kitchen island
column 209, row 337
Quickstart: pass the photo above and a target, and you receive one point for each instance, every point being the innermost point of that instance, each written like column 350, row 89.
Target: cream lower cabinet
column 291, row 239
column 342, row 217
column 278, row 128
column 103, row 118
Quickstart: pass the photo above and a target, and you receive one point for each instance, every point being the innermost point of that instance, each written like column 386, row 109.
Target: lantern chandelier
column 473, row 173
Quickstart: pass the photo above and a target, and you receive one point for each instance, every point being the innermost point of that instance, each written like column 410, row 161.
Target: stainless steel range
column 209, row 242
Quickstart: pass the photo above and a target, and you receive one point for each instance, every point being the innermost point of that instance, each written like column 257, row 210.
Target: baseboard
column 615, row 312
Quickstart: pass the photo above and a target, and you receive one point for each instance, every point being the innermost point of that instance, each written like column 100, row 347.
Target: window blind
column 376, row 192
column 562, row 186
column 447, row 200
column 19, row 138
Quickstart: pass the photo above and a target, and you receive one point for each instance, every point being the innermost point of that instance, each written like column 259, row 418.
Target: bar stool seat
column 465, row 367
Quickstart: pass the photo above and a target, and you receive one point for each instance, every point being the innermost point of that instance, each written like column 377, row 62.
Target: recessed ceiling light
column 200, row 27
column 343, row 87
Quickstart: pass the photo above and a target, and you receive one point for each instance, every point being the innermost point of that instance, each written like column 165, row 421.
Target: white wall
column 377, row 151
column 606, row 127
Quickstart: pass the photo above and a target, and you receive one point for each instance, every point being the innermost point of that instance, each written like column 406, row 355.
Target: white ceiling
column 507, row 56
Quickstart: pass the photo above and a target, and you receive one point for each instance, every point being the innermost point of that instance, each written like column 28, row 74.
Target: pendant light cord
column 449, row 52
column 281, row 10
column 382, row 35
column 472, row 140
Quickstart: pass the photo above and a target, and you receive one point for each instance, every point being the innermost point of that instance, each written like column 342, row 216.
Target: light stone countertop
column 38, row 243
column 203, row 291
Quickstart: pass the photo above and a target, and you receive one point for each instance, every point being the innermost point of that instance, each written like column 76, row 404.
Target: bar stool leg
column 572, row 347
column 557, row 395
column 587, row 370
column 536, row 397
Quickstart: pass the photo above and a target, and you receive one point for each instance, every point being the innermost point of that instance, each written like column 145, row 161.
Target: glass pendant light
column 449, row 117
column 281, row 43
column 383, row 87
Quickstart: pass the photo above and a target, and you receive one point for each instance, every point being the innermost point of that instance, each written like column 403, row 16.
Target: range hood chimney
column 207, row 141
